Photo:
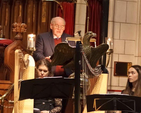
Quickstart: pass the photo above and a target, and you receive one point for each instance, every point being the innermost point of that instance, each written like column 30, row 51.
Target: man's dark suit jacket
column 45, row 45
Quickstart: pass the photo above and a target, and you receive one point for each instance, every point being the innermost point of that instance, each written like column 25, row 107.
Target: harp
column 91, row 79
column 24, row 69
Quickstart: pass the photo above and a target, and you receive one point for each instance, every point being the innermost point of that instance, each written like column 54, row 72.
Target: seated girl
column 43, row 69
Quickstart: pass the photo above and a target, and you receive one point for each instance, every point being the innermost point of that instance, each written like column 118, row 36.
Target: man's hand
column 48, row 58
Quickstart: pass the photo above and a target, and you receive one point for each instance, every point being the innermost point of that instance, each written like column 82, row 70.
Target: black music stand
column 46, row 88
column 107, row 102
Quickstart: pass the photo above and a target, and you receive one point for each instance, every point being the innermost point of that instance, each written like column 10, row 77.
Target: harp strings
column 84, row 81
column 23, row 65
column 87, row 72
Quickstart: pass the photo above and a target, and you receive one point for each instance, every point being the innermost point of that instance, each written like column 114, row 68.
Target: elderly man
column 46, row 42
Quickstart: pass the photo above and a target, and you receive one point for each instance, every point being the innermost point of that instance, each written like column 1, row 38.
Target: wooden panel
column 10, row 56
column 1, row 62
column 4, row 84
column 6, row 106
column 5, row 18
column 46, row 11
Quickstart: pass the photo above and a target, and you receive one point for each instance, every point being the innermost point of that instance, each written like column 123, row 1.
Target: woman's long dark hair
column 128, row 89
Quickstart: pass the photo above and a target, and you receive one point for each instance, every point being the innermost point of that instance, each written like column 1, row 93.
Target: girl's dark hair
column 128, row 89
column 46, row 63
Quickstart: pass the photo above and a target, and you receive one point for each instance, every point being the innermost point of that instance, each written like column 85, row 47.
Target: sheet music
column 43, row 78
column 115, row 94
column 51, row 77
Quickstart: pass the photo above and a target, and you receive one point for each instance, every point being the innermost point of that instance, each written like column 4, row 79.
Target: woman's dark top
column 52, row 105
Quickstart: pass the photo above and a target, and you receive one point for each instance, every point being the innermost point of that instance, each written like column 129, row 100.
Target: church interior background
column 122, row 26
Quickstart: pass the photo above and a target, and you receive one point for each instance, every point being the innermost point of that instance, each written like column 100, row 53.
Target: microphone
column 78, row 32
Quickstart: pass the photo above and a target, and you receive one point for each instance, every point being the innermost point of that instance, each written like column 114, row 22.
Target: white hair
column 53, row 20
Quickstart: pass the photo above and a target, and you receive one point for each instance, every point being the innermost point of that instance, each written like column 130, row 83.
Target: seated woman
column 133, row 86
column 43, row 69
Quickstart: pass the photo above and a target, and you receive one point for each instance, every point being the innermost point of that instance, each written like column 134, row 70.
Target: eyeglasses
column 56, row 26
column 45, row 71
